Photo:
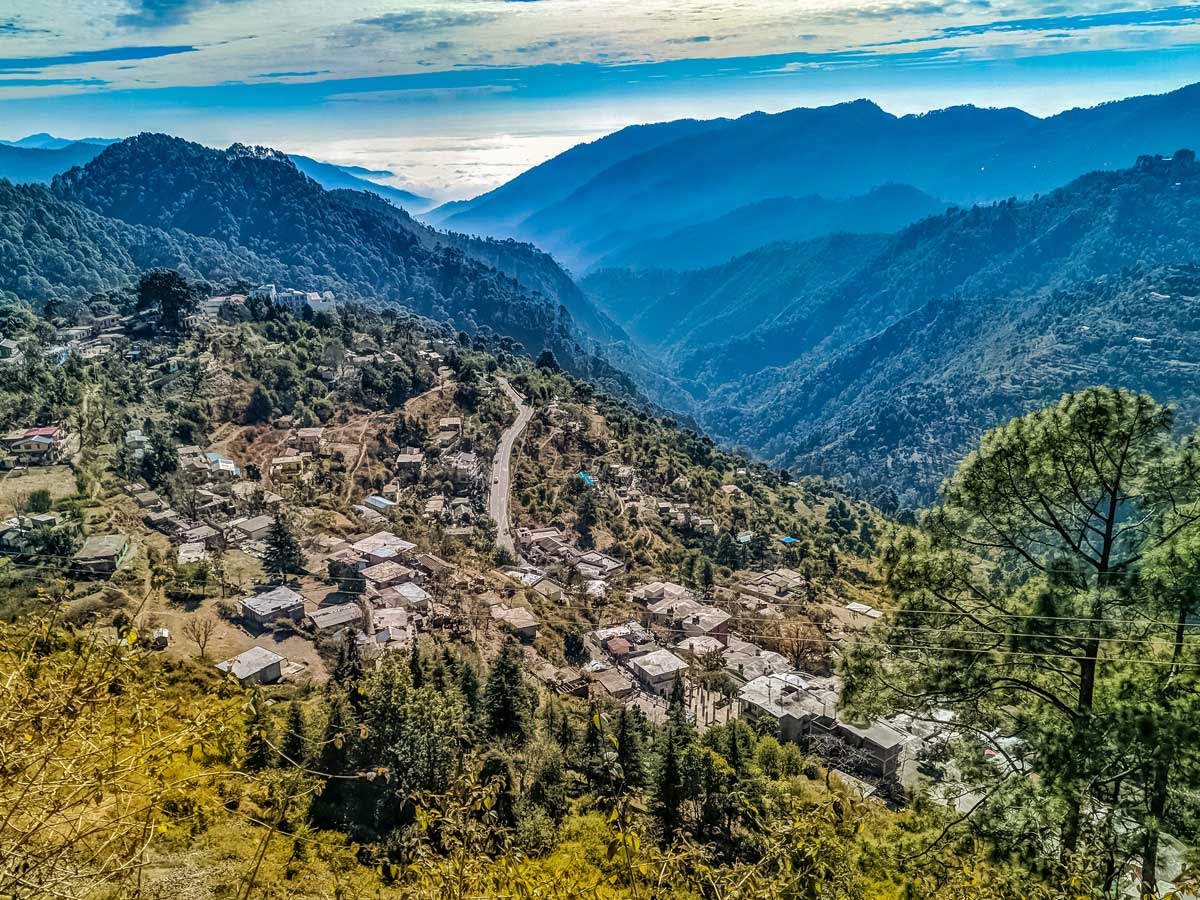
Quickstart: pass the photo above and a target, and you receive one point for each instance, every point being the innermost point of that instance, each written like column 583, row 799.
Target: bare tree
column 199, row 630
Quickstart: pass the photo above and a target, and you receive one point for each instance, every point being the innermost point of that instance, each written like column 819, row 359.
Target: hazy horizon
column 458, row 96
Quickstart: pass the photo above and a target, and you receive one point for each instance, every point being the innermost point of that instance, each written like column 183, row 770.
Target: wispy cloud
column 427, row 20
column 163, row 13
column 12, row 26
column 422, row 95
column 83, row 57
column 1170, row 16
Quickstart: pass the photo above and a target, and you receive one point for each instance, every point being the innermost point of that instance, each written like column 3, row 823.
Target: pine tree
column 293, row 745
column 259, row 754
column 505, row 700
column 284, row 556
column 348, row 671
column 668, row 787
column 415, row 671
column 468, row 684
column 593, row 755
column 629, row 748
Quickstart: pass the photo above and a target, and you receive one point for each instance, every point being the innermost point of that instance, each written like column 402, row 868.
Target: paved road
column 499, row 489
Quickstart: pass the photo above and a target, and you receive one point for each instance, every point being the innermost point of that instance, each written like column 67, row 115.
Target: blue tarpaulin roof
column 587, row 479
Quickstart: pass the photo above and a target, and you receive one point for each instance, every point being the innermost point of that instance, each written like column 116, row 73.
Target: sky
column 453, row 97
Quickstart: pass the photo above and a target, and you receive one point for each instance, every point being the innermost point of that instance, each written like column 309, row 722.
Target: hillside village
column 276, row 545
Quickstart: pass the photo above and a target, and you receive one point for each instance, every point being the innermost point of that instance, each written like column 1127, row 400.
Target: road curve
column 501, row 484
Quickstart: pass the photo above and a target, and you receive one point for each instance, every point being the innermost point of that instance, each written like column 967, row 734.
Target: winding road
column 499, row 490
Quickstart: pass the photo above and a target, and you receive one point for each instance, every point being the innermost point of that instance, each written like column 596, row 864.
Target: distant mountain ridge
column 779, row 219
column 39, row 157
column 880, row 359
column 683, row 173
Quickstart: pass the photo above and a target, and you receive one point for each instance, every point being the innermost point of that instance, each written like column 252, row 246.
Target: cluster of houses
column 224, row 509
column 678, row 632
column 388, row 606
column 97, row 338
column 550, row 546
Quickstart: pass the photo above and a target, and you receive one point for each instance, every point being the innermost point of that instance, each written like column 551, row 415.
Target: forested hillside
column 873, row 368
column 794, row 219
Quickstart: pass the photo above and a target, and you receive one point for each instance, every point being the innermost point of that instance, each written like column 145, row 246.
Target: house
column 310, row 440
column 380, row 504
column 221, row 466
column 251, row 529
column 435, row 506
column 393, row 628
column 520, row 621
column 449, row 430
column 387, row 574
column 465, row 466
column 658, row 670
column 594, row 564
column 614, row 682
column 709, row 621
column 252, row 497
column 258, row 665
column 287, row 469
column 101, row 554
column 270, row 606
column 328, row 619
column 784, row 703
column 205, row 535
column 548, row 588
column 698, row 647
column 409, row 462
column 150, row 500
column 656, row 591
column 745, row 661
column 382, row 546
column 879, row 746
column 408, row 594
column 38, row 446
column 668, row 612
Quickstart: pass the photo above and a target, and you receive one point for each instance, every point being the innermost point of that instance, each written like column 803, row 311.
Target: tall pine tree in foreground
column 505, row 697
column 1027, row 573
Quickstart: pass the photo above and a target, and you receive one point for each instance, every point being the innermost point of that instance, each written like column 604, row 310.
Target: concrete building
column 328, row 619
column 258, row 665
column 658, row 670
column 101, row 554
column 271, row 606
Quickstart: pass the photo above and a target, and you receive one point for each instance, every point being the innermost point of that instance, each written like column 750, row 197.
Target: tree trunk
column 1158, row 805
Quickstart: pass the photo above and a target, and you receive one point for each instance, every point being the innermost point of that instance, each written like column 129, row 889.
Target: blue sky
column 455, row 96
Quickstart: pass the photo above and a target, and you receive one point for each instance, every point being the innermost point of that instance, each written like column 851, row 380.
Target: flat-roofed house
column 708, row 620
column 101, row 554
column 270, row 606
column 517, row 619
column 387, row 574
column 310, row 440
column 258, row 665
column 328, row 619
column 254, row 528
column 668, row 612
column 658, row 670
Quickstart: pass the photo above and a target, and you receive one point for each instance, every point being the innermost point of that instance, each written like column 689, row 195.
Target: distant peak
column 243, row 151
